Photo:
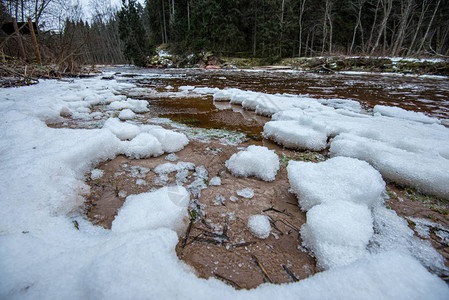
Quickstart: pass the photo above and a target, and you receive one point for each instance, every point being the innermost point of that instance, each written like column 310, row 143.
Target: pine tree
column 132, row 32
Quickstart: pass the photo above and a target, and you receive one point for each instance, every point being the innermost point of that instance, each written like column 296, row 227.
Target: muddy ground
column 218, row 242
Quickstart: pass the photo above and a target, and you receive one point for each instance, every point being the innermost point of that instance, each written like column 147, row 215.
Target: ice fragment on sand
column 96, row 174
column 216, row 181
column 246, row 193
column 259, row 225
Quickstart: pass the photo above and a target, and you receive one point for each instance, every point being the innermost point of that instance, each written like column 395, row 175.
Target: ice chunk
column 171, row 141
column 219, row 200
column 215, row 181
column 254, row 161
column 126, row 114
column 425, row 172
column 96, row 174
column 246, row 193
column 291, row 134
column 163, row 208
column 142, row 146
column 172, row 157
column 122, row 130
column 141, row 182
column 400, row 113
column 337, row 179
column 337, row 233
column 170, row 167
column 260, row 226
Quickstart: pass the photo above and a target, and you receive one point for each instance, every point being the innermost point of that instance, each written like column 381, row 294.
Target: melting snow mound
column 163, row 208
column 259, row 226
column 142, row 146
column 337, row 233
column 339, row 178
column 254, row 161
column 122, row 130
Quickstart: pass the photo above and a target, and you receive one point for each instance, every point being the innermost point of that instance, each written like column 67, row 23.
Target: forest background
column 270, row 29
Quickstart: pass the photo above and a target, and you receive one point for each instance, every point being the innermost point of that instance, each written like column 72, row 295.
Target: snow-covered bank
column 44, row 256
column 407, row 147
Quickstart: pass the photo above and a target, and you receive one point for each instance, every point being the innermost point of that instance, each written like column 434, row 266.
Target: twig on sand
column 186, row 236
column 238, row 245
column 290, row 274
column 287, row 223
column 278, row 211
column 261, row 267
column 231, row 282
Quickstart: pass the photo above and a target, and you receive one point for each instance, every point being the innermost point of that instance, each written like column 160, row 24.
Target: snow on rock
column 164, row 208
column 123, row 130
column 337, row 179
column 337, row 233
column 260, row 226
column 246, row 193
column 254, row 161
column 171, row 141
column 400, row 113
column 126, row 114
column 96, row 174
column 142, row 146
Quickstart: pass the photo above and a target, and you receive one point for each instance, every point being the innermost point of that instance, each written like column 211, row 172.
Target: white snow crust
column 343, row 200
column 43, row 255
column 254, row 161
column 389, row 138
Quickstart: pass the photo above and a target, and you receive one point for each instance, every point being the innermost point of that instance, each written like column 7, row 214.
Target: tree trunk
column 387, row 5
column 36, row 47
column 301, row 13
column 165, row 40
column 428, row 27
column 405, row 14
column 418, row 27
column 19, row 38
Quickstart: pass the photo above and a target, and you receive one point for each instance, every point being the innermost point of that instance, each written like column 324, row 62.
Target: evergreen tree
column 132, row 32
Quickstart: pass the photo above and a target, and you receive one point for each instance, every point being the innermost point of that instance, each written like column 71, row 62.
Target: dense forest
column 257, row 28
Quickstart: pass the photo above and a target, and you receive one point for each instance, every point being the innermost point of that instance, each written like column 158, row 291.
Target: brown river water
column 219, row 244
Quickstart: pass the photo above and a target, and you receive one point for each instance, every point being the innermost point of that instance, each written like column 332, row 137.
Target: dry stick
column 287, row 223
column 257, row 262
column 242, row 244
column 186, row 236
column 273, row 222
column 18, row 74
column 290, row 274
column 231, row 282
column 278, row 211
